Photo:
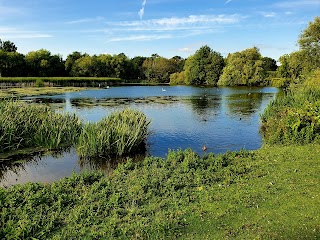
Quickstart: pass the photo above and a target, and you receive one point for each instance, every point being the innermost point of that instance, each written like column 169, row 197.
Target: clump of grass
column 118, row 134
column 27, row 125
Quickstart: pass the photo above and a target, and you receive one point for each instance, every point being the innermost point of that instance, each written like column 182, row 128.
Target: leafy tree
column 70, row 61
column 158, row 69
column 138, row 70
column 42, row 63
column 309, row 41
column 8, row 46
column 269, row 64
column 204, row 67
column 244, row 68
column 85, row 66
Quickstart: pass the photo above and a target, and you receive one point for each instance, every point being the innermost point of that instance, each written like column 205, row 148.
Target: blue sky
column 166, row 27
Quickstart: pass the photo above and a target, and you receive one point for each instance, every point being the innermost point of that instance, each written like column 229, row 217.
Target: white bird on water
column 163, row 90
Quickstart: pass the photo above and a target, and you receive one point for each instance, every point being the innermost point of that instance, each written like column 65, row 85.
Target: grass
column 119, row 134
column 271, row 193
column 26, row 125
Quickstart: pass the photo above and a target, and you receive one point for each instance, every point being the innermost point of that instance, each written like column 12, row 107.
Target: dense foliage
column 296, row 66
column 26, row 125
column 119, row 134
column 204, row 67
column 294, row 117
column 244, row 68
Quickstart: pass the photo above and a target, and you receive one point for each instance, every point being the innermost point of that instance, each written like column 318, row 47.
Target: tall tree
column 8, row 46
column 244, row 68
column 310, row 42
column 70, row 61
column 204, row 67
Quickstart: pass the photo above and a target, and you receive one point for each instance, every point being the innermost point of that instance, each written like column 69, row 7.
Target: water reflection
column 205, row 106
column 244, row 105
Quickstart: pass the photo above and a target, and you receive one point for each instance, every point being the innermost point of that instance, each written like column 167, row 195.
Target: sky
column 165, row 27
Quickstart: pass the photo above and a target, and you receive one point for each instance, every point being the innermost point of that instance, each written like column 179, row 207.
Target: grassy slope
column 279, row 199
column 272, row 193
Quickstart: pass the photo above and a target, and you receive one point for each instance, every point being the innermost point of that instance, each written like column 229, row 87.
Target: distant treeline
column 205, row 67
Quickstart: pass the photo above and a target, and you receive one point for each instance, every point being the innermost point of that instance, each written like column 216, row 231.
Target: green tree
column 8, row 46
column 70, row 61
column 244, row 68
column 309, row 41
column 158, row 69
column 204, row 67
column 269, row 64
column 42, row 63
column 138, row 70
column 85, row 66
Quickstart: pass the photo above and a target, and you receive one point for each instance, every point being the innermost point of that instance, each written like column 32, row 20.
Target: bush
column 294, row 118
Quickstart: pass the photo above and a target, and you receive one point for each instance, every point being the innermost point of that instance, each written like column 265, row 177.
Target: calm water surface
column 182, row 117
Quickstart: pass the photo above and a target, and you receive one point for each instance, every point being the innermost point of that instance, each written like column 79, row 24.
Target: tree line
column 205, row 67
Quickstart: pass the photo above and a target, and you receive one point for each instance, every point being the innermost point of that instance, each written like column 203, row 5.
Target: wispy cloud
column 141, row 11
column 228, row 1
column 268, row 14
column 13, row 33
column 174, row 22
column 86, row 20
column 140, row 38
column 298, row 3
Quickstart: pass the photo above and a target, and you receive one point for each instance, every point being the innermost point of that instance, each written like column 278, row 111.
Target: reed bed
column 59, row 81
column 25, row 125
column 119, row 134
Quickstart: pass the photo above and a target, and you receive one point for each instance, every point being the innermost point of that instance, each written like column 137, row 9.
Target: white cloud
column 141, row 11
column 140, row 38
column 174, row 21
column 86, row 20
column 228, row 1
column 268, row 14
column 13, row 33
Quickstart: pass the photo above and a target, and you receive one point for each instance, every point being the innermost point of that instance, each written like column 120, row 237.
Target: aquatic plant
column 25, row 125
column 119, row 134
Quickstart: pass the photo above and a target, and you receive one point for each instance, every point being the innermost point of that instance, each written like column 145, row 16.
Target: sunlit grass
column 272, row 193
column 118, row 134
column 27, row 125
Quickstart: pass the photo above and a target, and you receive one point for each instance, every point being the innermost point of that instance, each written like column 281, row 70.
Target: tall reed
column 27, row 125
column 121, row 133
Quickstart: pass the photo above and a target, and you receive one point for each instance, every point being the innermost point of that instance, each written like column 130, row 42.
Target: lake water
column 221, row 119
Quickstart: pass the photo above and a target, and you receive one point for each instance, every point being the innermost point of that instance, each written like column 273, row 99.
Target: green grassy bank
column 272, row 193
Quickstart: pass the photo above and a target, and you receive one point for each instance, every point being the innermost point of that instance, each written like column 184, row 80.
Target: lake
column 221, row 119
